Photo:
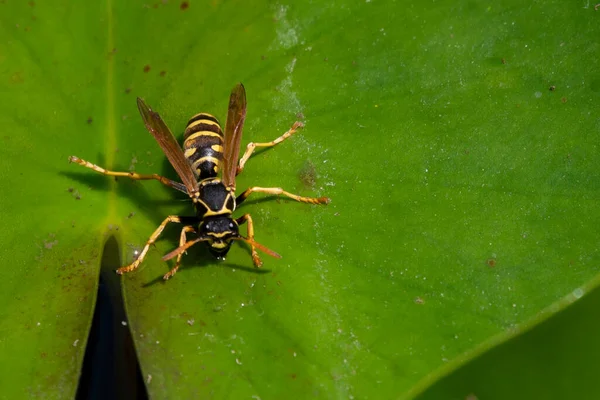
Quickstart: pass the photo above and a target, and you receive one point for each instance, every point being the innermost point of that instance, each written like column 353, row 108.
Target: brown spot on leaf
column 147, row 68
column 17, row 77
column 308, row 175
column 184, row 5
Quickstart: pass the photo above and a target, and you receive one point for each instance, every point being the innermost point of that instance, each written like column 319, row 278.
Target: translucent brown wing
column 157, row 127
column 233, row 134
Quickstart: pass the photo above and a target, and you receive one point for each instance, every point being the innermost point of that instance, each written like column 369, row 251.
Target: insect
column 206, row 151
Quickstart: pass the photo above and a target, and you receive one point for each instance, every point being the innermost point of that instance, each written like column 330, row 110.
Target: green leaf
column 463, row 189
column 550, row 358
column 53, row 226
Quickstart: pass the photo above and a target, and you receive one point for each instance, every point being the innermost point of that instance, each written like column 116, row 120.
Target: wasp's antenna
column 259, row 246
column 182, row 248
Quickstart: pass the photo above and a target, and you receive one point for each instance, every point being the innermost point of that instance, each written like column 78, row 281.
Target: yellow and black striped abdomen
column 203, row 145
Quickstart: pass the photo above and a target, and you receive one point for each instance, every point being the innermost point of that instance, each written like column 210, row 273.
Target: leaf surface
column 456, row 141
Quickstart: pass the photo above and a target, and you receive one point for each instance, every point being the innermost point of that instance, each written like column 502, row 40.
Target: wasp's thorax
column 219, row 230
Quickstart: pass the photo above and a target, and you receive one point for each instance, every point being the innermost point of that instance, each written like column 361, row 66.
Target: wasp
column 206, row 151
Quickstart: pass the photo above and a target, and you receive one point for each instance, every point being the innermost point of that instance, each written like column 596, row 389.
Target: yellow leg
column 131, row 175
column 155, row 235
column 247, row 218
column 279, row 191
column 182, row 240
column 252, row 146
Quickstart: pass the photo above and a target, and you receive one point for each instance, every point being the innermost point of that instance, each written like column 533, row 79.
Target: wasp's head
column 220, row 231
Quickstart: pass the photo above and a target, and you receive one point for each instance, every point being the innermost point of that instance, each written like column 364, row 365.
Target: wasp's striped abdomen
column 203, row 145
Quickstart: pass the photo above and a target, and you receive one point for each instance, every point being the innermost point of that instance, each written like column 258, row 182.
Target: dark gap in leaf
column 110, row 369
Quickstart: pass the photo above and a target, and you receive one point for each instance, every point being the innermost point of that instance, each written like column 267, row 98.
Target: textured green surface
column 50, row 243
column 464, row 190
column 546, row 359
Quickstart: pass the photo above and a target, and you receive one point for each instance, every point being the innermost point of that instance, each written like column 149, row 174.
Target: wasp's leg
column 182, row 241
column 279, row 191
column 252, row 146
column 247, row 218
column 131, row 175
column 155, row 235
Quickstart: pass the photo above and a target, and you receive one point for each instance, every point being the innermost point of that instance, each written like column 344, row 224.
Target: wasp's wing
column 233, row 134
column 157, row 127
